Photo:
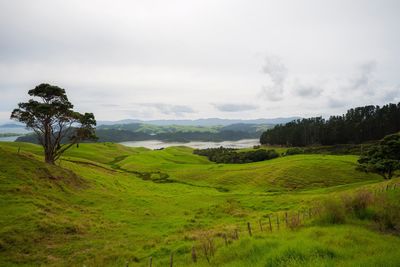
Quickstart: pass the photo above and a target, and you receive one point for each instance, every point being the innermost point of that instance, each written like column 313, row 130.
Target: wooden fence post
column 286, row 218
column 212, row 247
column 261, row 227
column 249, row 228
column 236, row 234
column 226, row 239
column 194, row 255
column 171, row 260
column 206, row 250
column 151, row 261
column 277, row 221
column 270, row 224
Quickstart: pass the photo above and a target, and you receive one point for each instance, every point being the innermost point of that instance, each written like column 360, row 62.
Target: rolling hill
column 106, row 205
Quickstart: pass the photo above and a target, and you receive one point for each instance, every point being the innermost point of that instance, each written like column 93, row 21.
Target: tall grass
column 382, row 210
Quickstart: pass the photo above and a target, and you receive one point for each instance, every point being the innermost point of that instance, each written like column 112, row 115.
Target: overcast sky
column 207, row 58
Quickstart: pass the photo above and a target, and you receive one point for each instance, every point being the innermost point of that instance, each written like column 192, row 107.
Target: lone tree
column 384, row 158
column 56, row 125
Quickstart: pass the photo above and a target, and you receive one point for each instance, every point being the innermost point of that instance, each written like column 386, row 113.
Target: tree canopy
column 53, row 120
column 384, row 158
column 231, row 155
column 356, row 126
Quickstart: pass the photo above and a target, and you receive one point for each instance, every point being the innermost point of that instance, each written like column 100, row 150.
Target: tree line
column 230, row 155
column 358, row 125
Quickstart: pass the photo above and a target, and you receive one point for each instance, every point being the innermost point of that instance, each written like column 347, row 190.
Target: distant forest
column 358, row 125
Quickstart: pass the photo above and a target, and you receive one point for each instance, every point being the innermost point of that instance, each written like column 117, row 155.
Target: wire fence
column 208, row 242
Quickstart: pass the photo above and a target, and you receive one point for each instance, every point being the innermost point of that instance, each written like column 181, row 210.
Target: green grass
column 297, row 172
column 313, row 246
column 98, row 209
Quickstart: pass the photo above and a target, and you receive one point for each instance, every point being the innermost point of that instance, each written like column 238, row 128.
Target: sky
column 187, row 59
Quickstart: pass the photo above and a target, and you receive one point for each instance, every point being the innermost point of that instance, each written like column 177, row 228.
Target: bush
column 294, row 222
column 382, row 210
column 333, row 212
column 294, row 151
column 358, row 204
column 230, row 155
column 387, row 213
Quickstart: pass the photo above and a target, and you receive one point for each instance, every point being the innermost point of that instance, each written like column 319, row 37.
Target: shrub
column 294, row 222
column 294, row 151
column 230, row 155
column 333, row 212
column 387, row 213
column 358, row 204
column 382, row 210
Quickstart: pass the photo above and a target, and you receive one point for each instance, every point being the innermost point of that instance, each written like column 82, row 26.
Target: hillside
column 171, row 133
column 108, row 204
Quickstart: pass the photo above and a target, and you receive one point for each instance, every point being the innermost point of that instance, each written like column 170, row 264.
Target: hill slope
column 107, row 205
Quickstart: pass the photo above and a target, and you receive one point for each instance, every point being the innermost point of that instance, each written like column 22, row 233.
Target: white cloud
column 176, row 54
column 276, row 73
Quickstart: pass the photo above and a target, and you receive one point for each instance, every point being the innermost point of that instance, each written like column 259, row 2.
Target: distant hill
column 247, row 127
column 12, row 125
column 172, row 133
column 202, row 122
column 13, row 128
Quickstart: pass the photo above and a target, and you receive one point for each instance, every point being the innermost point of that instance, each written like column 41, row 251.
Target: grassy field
column 109, row 205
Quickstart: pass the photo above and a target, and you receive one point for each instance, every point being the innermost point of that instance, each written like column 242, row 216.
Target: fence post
column 171, row 260
column 151, row 261
column 236, row 234
column 270, row 224
column 261, row 227
column 212, row 247
column 226, row 239
column 286, row 218
column 277, row 221
column 249, row 228
column 194, row 255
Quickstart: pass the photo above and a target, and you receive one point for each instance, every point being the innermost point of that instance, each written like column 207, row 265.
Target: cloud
column 177, row 110
column 391, row 94
column 308, row 91
column 231, row 107
column 336, row 103
column 364, row 80
column 109, row 55
column 276, row 73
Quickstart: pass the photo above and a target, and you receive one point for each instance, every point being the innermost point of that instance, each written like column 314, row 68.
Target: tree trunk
column 50, row 161
column 390, row 174
column 48, row 156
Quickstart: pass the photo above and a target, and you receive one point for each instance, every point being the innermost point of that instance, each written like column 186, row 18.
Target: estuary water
column 157, row 144
column 12, row 130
